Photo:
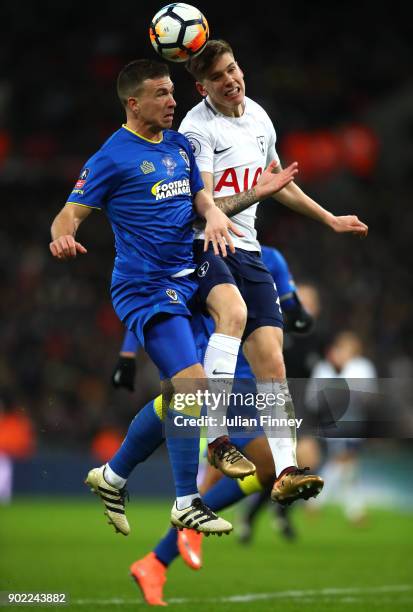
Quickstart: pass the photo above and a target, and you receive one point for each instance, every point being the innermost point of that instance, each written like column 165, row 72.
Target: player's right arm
column 64, row 227
column 266, row 186
column 98, row 176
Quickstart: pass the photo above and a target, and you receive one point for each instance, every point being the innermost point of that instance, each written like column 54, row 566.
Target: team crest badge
column 172, row 294
column 261, row 143
column 147, row 167
column 82, row 178
column 184, row 156
column 194, row 142
column 203, row 269
column 170, row 164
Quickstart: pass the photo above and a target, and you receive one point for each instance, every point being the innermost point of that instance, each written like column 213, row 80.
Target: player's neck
column 143, row 130
column 230, row 111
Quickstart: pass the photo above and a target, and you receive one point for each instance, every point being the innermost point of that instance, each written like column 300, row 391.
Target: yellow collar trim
column 140, row 136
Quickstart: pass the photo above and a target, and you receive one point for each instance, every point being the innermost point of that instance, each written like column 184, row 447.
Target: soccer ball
column 178, row 31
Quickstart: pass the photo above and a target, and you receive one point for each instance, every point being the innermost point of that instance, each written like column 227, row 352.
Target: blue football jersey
column 146, row 190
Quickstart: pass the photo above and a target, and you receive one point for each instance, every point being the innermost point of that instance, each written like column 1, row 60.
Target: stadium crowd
column 342, row 107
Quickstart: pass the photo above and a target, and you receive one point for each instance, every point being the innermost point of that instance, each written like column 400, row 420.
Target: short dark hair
column 199, row 65
column 132, row 75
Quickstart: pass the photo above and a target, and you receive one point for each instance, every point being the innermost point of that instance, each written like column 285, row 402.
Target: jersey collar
column 143, row 137
column 208, row 104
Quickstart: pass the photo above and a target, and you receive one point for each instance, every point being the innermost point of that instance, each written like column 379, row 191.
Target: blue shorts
column 203, row 327
column 246, row 270
column 148, row 310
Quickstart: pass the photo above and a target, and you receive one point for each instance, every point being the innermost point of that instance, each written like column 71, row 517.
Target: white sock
column 220, row 362
column 185, row 500
column 282, row 440
column 112, row 478
column 221, row 356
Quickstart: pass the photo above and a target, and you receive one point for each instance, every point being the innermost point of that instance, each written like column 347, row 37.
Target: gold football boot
column 228, row 459
column 293, row 483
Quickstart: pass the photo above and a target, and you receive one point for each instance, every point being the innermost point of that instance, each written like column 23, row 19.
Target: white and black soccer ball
column 178, row 31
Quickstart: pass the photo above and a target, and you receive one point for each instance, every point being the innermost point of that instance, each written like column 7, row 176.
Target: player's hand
column 349, row 223
column 124, row 373
column 217, row 229
column 272, row 181
column 66, row 247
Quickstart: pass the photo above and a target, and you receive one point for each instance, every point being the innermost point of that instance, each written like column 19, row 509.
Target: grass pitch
column 66, row 546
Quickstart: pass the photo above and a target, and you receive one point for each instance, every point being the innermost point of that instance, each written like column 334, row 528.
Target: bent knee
column 228, row 309
column 231, row 320
column 268, row 364
column 236, row 314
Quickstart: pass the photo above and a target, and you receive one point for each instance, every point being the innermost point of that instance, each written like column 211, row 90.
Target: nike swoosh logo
column 216, row 373
column 217, row 152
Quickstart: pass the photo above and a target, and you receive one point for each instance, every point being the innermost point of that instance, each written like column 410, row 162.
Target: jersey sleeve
column 272, row 151
column 201, row 145
column 95, row 182
column 195, row 179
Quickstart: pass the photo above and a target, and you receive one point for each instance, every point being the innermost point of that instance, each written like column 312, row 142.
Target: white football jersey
column 235, row 150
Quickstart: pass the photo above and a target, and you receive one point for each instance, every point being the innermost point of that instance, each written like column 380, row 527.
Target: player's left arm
column 217, row 223
column 295, row 199
column 296, row 318
column 124, row 372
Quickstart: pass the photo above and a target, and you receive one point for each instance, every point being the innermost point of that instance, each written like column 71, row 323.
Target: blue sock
column 144, row 435
column 183, row 449
column 223, row 494
column 167, row 549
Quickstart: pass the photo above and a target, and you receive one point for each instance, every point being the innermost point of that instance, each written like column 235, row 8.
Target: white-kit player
column 233, row 140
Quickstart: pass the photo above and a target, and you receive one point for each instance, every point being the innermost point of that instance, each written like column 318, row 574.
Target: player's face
column 224, row 83
column 156, row 103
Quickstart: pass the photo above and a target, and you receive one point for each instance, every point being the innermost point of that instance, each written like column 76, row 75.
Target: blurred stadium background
column 337, row 83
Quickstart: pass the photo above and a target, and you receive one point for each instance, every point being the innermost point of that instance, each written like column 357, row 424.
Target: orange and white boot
column 190, row 548
column 150, row 576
